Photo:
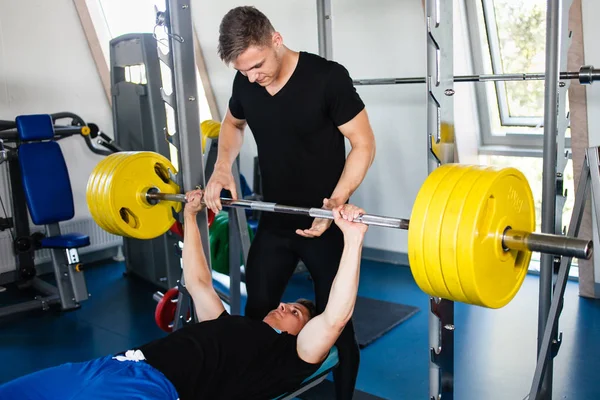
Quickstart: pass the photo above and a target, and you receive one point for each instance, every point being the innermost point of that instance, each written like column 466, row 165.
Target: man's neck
column 289, row 60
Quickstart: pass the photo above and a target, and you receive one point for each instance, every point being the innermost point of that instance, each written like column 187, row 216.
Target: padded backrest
column 35, row 127
column 46, row 182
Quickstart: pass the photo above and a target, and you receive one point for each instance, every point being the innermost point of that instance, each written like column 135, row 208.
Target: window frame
column 516, row 136
column 491, row 29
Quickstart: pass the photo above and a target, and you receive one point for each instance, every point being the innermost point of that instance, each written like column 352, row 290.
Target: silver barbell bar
column 511, row 239
column 586, row 75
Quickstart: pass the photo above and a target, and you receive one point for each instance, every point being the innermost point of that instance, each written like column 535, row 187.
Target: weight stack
column 140, row 121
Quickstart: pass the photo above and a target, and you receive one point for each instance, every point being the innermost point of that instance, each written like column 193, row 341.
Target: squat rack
column 440, row 91
column 440, row 111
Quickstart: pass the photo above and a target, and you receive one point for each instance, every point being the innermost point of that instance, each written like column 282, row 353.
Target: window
column 509, row 37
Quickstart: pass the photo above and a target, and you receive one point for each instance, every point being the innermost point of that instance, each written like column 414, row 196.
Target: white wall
column 46, row 67
column 591, row 30
column 383, row 39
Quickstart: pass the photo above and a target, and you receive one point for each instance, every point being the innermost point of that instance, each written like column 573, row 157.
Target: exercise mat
column 326, row 391
column 374, row 318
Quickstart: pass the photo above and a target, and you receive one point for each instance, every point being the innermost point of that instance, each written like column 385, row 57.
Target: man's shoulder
column 320, row 63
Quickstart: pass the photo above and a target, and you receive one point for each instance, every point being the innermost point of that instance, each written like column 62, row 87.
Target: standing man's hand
column 221, row 178
column 319, row 225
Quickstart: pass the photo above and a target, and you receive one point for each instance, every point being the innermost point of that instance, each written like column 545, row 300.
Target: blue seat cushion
column 46, row 182
column 35, row 127
column 67, row 241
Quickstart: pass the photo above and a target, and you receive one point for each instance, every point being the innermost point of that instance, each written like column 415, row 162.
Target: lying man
column 222, row 356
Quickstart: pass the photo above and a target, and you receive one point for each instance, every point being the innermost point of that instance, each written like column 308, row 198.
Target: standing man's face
column 261, row 64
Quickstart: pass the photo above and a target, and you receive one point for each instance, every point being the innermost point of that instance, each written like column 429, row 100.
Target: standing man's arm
column 347, row 110
column 231, row 138
column 359, row 133
column 320, row 333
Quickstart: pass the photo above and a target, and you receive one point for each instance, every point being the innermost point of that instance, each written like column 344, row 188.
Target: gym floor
column 494, row 349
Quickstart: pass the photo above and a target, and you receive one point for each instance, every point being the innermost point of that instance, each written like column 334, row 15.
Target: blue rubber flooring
column 495, row 350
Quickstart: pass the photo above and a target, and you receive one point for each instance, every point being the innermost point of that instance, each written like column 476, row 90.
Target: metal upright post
column 25, row 259
column 440, row 113
column 239, row 245
column 324, row 29
column 549, row 174
column 184, row 100
column 563, row 117
column 589, row 173
column 594, row 164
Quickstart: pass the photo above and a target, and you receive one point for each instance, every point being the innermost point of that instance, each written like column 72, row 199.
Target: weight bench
column 49, row 198
column 328, row 365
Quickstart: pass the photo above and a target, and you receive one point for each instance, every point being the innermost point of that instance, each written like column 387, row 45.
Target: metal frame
column 324, row 25
column 177, row 20
column 440, row 110
column 553, row 39
column 541, row 387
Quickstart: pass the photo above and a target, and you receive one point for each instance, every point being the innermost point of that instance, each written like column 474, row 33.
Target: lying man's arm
column 197, row 276
column 320, row 333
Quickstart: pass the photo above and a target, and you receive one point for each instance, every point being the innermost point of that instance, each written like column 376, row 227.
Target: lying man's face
column 288, row 317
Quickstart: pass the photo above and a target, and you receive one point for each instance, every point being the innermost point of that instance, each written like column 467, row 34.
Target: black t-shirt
column 301, row 151
column 231, row 357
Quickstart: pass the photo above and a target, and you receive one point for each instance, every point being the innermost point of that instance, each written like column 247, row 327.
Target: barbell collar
column 587, row 75
column 548, row 244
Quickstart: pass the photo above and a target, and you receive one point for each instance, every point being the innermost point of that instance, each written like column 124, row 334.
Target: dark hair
column 310, row 306
column 241, row 28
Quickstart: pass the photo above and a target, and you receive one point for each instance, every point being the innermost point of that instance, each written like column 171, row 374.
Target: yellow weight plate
column 444, row 150
column 416, row 227
column 449, row 226
column 99, row 175
column 492, row 276
column 210, row 128
column 89, row 190
column 92, row 190
column 433, row 229
column 126, row 195
column 103, row 189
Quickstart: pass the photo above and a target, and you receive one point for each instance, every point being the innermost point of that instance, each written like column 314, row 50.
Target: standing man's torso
column 300, row 148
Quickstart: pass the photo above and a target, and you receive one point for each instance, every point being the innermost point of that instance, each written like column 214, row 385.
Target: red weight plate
column 165, row 310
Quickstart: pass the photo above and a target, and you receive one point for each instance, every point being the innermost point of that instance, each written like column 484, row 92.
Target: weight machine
column 35, row 160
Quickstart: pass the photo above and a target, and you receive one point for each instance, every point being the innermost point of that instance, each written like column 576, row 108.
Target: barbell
column 470, row 233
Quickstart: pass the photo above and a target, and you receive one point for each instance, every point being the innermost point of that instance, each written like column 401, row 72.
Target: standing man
column 300, row 108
